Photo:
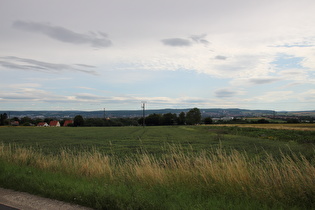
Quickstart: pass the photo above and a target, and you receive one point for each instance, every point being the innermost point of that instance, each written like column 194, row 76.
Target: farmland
column 171, row 167
column 287, row 126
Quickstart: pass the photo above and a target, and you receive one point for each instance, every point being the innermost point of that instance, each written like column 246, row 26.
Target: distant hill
column 300, row 113
column 138, row 113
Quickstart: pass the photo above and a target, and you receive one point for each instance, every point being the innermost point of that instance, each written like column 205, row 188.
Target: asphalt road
column 4, row 207
column 12, row 200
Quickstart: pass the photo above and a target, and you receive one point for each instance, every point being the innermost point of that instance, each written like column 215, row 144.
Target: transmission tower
column 143, row 112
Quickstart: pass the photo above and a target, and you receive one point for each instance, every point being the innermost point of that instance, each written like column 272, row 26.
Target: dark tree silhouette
column 193, row 117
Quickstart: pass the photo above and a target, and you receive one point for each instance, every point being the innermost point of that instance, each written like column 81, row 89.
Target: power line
column 143, row 112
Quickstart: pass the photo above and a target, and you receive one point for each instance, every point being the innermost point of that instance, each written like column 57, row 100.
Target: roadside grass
column 176, row 180
column 98, row 195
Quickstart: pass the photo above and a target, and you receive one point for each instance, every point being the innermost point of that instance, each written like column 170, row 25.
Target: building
column 67, row 122
column 15, row 123
column 54, row 123
column 42, row 124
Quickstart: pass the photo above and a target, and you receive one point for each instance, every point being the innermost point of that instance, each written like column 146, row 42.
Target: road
column 10, row 200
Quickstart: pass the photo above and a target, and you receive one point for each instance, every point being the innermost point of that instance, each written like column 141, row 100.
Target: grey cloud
column 65, row 35
column 84, row 65
column 261, row 81
column 84, row 96
column 177, row 42
column 17, row 63
column 18, row 97
column 200, row 39
column 225, row 93
column 220, row 57
column 180, row 42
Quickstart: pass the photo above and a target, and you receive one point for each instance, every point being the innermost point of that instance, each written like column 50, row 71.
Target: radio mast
column 143, row 112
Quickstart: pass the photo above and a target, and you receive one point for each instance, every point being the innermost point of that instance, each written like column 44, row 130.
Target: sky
column 115, row 54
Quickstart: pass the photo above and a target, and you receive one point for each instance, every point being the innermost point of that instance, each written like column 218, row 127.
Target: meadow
column 171, row 167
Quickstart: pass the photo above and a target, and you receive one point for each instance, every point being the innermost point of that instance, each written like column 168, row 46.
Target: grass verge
column 213, row 179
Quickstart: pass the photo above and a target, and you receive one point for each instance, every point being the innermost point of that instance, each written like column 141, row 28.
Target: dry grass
column 290, row 179
column 299, row 126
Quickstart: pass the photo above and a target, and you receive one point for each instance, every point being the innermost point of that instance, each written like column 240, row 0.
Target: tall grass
column 289, row 180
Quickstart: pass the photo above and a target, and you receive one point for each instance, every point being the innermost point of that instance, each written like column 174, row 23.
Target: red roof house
column 67, row 122
column 42, row 124
column 15, row 123
column 54, row 123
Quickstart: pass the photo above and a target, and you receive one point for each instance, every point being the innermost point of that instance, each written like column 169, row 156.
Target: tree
column 3, row 117
column 26, row 121
column 78, row 121
column 47, row 120
column 181, row 120
column 169, row 119
column 262, row 121
column 208, row 120
column 293, row 121
column 153, row 119
column 193, row 116
column 16, row 119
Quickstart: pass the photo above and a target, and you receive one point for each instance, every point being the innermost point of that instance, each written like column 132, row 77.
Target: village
column 55, row 123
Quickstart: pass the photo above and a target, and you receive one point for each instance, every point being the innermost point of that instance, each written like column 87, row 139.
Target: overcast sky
column 113, row 54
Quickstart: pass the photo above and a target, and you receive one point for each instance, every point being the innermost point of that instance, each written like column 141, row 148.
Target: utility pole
column 104, row 114
column 143, row 112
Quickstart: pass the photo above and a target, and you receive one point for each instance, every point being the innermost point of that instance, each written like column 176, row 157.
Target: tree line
column 192, row 117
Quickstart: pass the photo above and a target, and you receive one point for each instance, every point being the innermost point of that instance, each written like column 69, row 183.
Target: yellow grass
column 299, row 126
column 291, row 177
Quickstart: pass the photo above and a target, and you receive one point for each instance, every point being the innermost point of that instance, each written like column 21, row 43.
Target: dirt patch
column 26, row 201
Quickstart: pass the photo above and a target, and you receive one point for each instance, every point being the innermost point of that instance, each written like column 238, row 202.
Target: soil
column 26, row 201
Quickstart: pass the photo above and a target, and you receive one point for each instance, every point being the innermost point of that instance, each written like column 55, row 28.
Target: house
column 67, row 122
column 54, row 123
column 15, row 123
column 42, row 124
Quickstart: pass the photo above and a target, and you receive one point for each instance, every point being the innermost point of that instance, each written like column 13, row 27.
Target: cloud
column 17, row 63
column 274, row 96
column 84, row 65
column 34, row 93
column 180, row 42
column 220, row 57
column 200, row 39
column 294, row 45
column 25, row 92
column 177, row 42
column 225, row 93
column 99, row 39
column 302, row 43
column 239, row 63
column 261, row 81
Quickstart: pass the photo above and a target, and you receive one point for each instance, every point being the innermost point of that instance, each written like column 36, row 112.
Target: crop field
column 286, row 126
column 163, row 167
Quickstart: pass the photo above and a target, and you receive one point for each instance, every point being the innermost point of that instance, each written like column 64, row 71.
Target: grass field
column 180, row 167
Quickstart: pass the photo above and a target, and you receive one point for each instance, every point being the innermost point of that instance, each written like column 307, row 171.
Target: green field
column 127, row 140
column 174, row 167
